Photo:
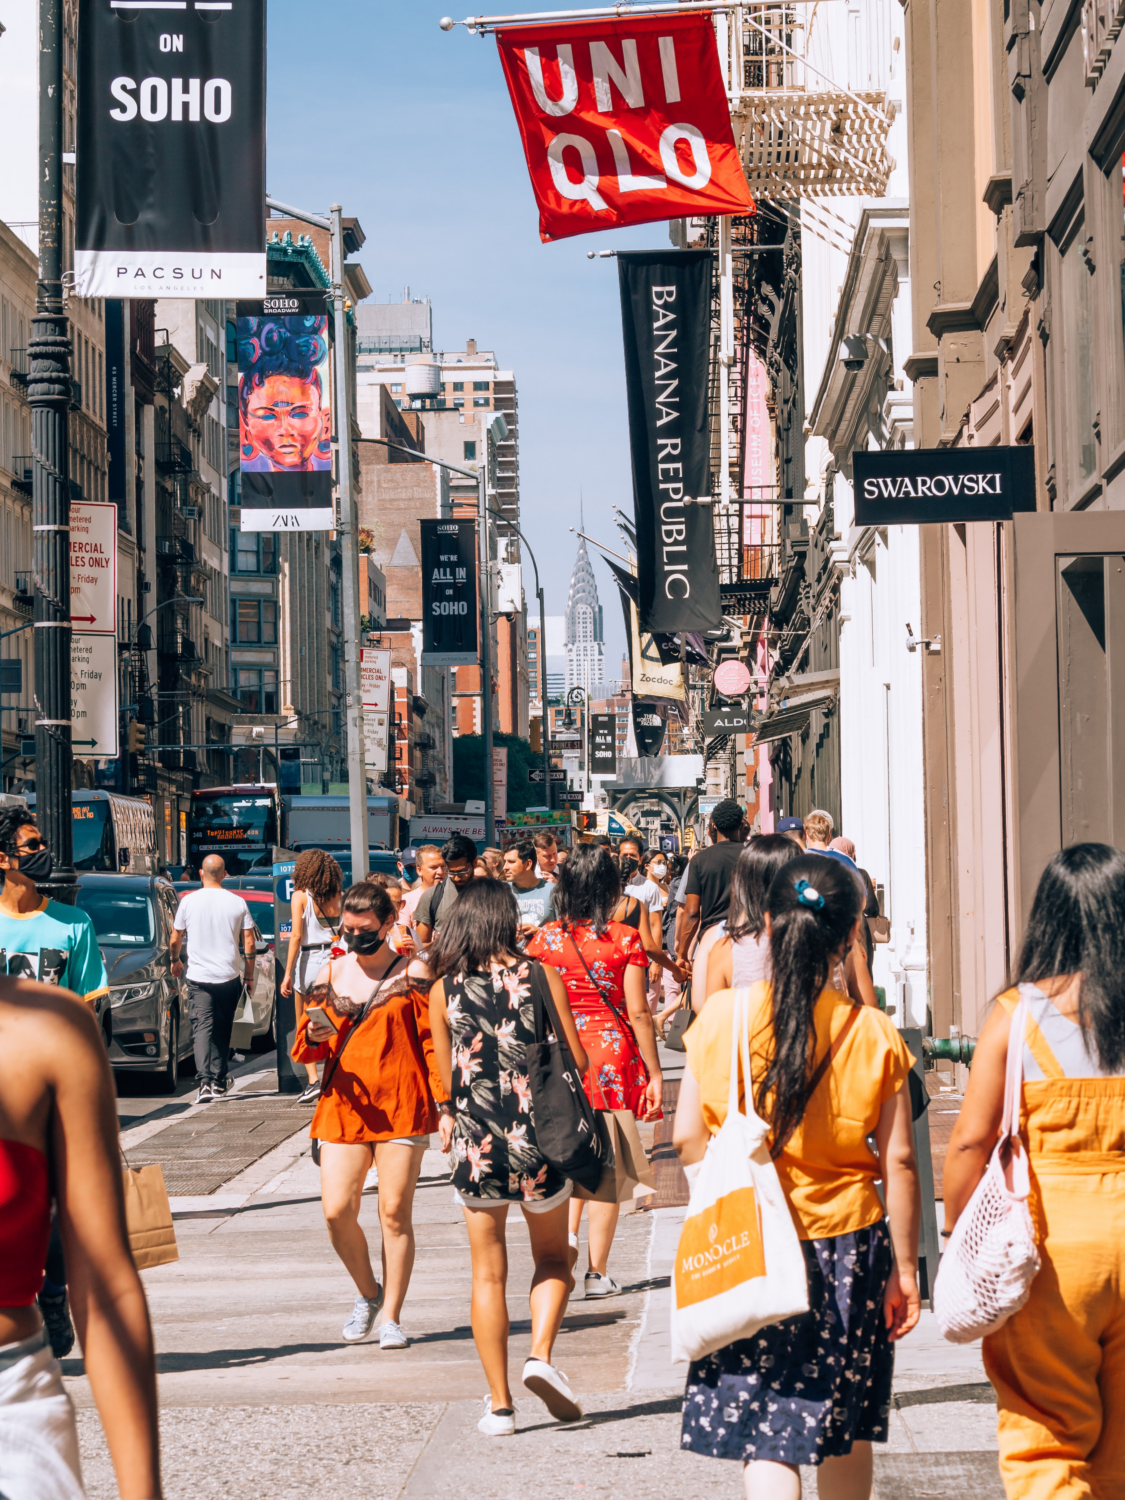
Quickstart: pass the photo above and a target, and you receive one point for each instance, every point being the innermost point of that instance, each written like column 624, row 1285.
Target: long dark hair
column 1077, row 926
column 588, row 888
column 482, row 924
column 762, row 857
column 812, row 903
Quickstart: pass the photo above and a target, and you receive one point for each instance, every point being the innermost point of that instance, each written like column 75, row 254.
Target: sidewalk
column 260, row 1397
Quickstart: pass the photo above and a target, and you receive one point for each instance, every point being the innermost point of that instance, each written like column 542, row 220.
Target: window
column 337, row 669
column 257, row 688
column 458, row 401
column 253, row 551
column 480, row 400
column 1078, row 353
column 396, row 388
column 336, row 612
column 480, row 385
column 253, row 622
column 470, row 451
column 458, row 385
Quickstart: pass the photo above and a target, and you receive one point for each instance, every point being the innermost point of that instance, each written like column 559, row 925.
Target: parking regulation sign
column 93, row 567
column 93, row 696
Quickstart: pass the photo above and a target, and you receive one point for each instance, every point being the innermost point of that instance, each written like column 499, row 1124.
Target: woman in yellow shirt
column 815, row 1389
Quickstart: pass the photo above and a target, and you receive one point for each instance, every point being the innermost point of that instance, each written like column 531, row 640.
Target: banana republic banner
column 171, row 149
column 666, row 318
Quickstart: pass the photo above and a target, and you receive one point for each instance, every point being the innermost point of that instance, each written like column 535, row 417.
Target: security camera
column 853, row 353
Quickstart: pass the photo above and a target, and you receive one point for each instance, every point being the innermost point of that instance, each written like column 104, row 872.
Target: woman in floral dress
column 482, row 1014
column 605, row 970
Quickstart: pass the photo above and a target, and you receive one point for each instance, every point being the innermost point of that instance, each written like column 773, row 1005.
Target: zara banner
column 449, row 593
column 666, row 319
column 171, row 149
column 285, row 414
column 623, row 122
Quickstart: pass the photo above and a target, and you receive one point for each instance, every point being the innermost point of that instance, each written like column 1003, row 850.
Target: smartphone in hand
column 318, row 1014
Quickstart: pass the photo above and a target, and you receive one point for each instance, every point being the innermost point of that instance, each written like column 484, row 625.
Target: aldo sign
column 919, row 485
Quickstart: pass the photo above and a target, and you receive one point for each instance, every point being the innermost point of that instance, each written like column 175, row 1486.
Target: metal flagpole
column 49, row 392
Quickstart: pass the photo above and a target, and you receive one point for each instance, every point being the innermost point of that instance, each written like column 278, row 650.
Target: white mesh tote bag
column 987, row 1270
column 739, row 1263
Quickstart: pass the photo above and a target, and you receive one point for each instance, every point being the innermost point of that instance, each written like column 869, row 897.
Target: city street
column 259, row 1395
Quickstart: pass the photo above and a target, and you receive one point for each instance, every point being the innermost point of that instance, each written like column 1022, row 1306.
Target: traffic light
column 136, row 738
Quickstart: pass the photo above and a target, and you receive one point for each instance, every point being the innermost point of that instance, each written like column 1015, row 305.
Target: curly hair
column 319, row 874
column 293, row 346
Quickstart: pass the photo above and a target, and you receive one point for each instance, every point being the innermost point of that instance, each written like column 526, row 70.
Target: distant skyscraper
column 585, row 639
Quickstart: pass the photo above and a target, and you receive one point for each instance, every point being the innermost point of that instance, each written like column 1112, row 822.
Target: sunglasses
column 31, row 847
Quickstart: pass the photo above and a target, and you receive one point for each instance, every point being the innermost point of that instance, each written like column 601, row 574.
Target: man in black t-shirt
column 709, row 875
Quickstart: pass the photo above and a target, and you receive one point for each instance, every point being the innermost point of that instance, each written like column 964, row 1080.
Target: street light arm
column 299, row 213
column 473, row 474
column 176, row 599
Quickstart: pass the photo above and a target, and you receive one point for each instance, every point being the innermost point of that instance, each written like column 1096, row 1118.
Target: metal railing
column 21, row 367
column 22, row 467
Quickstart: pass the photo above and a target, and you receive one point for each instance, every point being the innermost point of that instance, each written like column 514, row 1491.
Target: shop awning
column 792, row 717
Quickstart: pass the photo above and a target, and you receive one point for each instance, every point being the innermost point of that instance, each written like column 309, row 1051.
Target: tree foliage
column 468, row 770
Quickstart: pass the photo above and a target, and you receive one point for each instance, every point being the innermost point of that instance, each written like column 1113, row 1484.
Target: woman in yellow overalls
column 1058, row 1365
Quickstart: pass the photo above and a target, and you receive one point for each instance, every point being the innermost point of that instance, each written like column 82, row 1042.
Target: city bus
column 242, row 823
column 112, row 833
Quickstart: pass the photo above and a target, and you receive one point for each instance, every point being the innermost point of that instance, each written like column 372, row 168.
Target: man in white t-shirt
column 215, row 923
column 431, row 869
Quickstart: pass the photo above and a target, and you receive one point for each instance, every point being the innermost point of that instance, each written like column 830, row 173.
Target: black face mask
column 37, row 866
column 629, row 865
column 364, row 943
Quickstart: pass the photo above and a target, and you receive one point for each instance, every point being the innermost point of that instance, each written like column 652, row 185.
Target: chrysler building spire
column 585, row 651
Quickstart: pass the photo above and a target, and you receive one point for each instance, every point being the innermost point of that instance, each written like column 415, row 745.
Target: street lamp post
column 480, row 474
column 349, row 536
column 49, row 393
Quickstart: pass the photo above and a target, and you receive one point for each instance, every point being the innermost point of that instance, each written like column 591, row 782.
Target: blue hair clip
column 808, row 895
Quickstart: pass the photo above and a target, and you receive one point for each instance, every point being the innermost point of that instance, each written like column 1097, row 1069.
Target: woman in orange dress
column 376, row 1102
column 604, row 967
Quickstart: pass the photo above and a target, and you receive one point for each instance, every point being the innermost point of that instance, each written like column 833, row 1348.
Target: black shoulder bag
column 566, row 1126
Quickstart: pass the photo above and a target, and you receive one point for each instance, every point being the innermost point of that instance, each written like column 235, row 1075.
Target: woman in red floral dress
column 605, row 970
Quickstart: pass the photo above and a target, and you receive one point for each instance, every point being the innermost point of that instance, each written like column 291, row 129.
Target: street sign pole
column 49, row 392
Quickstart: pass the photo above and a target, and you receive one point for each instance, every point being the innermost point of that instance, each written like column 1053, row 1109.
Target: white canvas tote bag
column 739, row 1263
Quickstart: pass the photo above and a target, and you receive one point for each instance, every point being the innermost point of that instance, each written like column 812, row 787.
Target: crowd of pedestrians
column 442, row 1016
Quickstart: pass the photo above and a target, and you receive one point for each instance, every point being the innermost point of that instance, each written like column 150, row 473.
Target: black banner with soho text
column 666, row 320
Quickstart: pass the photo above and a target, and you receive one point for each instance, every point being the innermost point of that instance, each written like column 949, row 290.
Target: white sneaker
column 552, row 1388
column 206, row 1093
column 391, row 1336
column 362, row 1320
column 496, row 1423
column 601, row 1286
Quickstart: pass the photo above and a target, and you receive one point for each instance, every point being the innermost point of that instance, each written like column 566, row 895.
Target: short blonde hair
column 818, row 827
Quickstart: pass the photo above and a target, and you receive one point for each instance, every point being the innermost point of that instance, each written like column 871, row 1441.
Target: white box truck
column 325, row 822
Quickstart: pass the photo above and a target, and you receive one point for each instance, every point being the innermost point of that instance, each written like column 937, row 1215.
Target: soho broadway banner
column 285, row 414
column 623, row 121
column 914, row 486
column 666, row 317
column 171, row 147
column 449, row 593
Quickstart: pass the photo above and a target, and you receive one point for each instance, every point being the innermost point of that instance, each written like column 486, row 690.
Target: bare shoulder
column 420, row 970
column 45, row 1020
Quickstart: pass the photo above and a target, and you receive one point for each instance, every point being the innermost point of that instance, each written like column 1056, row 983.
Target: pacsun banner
column 666, row 317
column 285, row 414
column 171, row 147
column 449, row 593
column 623, row 122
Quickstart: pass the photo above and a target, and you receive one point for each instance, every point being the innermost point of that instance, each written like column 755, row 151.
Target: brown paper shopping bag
column 148, row 1217
column 627, row 1174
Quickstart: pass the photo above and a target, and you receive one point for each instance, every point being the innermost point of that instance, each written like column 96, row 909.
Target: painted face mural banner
column 449, row 593
column 666, row 322
column 285, row 414
column 623, row 122
column 171, row 149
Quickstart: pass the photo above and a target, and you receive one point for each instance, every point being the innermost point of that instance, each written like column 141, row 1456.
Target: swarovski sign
column 920, row 485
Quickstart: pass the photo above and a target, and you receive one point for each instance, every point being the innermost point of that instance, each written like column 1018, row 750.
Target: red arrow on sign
column 85, row 619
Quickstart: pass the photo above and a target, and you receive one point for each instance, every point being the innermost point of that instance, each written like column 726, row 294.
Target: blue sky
column 410, row 128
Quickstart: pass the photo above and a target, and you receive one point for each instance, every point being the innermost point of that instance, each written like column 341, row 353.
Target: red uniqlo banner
column 623, row 122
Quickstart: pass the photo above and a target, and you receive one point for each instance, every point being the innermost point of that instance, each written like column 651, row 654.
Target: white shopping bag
column 739, row 1264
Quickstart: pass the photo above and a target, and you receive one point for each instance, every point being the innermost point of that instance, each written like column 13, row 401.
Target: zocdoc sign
column 919, row 485
column 171, row 150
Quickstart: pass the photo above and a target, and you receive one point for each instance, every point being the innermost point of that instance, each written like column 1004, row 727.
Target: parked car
column 146, row 1024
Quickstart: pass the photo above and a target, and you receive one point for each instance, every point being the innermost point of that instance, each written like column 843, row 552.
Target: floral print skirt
column 805, row 1389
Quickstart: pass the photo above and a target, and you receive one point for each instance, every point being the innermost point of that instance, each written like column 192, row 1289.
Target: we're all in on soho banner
column 171, row 150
